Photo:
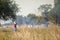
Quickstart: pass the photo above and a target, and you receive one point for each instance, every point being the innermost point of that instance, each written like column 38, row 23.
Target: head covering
column 14, row 22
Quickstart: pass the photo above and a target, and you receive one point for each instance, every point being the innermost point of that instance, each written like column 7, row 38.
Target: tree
column 8, row 9
column 45, row 10
column 31, row 16
column 38, row 19
column 54, row 14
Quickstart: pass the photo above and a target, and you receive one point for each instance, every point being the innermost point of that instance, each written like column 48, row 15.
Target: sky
column 30, row 6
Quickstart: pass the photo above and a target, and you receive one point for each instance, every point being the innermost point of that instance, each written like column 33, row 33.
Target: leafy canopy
column 8, row 9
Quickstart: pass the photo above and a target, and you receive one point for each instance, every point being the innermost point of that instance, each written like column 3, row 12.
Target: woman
column 15, row 28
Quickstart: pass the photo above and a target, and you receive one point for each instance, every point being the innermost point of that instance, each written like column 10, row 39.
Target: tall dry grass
column 24, row 33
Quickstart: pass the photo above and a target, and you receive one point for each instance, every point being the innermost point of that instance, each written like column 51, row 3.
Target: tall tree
column 45, row 9
column 54, row 14
column 8, row 9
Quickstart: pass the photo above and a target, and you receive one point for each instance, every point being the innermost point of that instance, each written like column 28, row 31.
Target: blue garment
column 15, row 29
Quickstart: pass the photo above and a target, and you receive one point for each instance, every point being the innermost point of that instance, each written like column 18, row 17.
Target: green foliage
column 45, row 8
column 8, row 9
column 54, row 14
column 39, row 19
column 32, row 16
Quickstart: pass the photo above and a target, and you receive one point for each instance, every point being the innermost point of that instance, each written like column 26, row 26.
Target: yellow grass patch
column 24, row 33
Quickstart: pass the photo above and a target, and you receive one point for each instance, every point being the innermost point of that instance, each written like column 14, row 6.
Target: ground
column 24, row 33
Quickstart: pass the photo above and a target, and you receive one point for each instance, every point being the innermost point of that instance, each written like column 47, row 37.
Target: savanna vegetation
column 25, row 33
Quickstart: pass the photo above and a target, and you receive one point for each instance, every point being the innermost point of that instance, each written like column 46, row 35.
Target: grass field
column 24, row 33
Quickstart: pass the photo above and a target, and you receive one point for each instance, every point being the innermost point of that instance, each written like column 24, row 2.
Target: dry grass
column 24, row 33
